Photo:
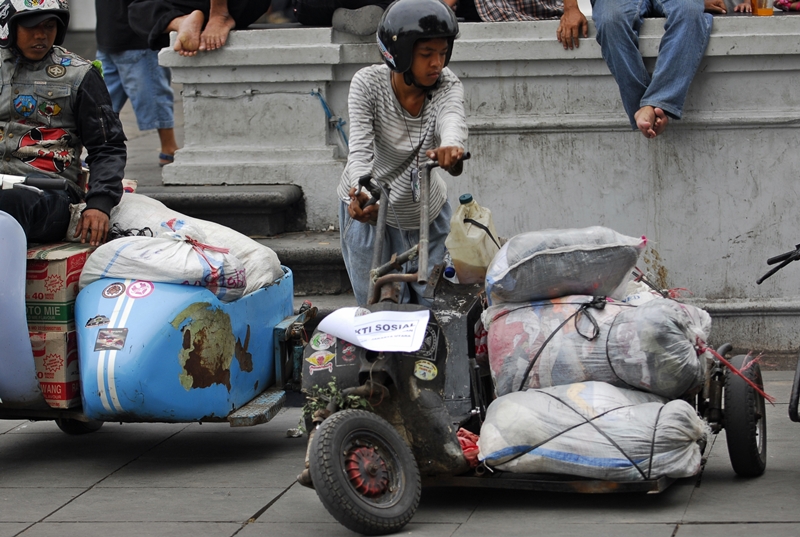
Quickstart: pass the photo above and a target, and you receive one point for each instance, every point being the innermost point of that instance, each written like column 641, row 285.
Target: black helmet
column 11, row 11
column 405, row 22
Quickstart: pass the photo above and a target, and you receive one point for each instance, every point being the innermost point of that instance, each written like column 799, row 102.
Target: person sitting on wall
column 652, row 100
column 57, row 103
column 360, row 17
column 202, row 25
column 573, row 22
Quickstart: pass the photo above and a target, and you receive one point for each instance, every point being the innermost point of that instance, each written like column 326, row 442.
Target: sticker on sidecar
column 111, row 339
column 322, row 341
column 425, row 370
column 113, row 290
column 345, row 353
column 322, row 360
column 140, row 289
column 97, row 320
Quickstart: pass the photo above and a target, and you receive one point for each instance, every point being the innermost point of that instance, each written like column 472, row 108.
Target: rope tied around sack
column 598, row 303
column 590, row 421
column 703, row 347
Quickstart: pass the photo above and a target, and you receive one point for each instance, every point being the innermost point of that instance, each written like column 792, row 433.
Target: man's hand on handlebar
column 368, row 215
column 93, row 227
column 448, row 157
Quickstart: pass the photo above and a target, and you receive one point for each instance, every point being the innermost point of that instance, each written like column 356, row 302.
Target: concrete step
column 254, row 210
column 316, row 260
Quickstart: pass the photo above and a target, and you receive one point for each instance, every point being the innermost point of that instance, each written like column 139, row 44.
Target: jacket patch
column 25, row 105
column 46, row 149
column 49, row 109
column 56, row 71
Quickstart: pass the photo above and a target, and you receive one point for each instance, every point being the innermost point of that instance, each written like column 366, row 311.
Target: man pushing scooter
column 402, row 115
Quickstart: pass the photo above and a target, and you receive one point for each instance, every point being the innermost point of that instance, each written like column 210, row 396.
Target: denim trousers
column 358, row 240
column 136, row 75
column 686, row 34
column 43, row 217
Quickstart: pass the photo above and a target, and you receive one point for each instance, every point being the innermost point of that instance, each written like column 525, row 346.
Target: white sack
column 592, row 430
column 649, row 347
column 539, row 265
column 178, row 254
column 261, row 265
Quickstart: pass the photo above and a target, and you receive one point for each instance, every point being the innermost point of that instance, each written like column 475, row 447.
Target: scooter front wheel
column 364, row 473
column 745, row 420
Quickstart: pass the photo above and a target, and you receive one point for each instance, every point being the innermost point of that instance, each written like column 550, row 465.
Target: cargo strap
column 598, row 302
column 590, row 422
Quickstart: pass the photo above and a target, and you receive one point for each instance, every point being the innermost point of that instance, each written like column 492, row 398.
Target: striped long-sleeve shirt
column 388, row 142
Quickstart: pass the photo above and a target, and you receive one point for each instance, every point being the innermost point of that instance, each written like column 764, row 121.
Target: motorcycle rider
column 403, row 113
column 57, row 104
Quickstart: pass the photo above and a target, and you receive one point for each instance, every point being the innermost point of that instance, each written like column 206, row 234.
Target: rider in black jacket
column 57, row 104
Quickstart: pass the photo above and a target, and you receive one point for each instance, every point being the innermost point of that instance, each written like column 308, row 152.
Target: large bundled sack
column 540, row 265
column 592, row 430
column 261, row 265
column 651, row 347
column 179, row 253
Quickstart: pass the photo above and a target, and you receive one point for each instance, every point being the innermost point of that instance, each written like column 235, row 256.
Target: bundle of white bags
column 649, row 347
column 183, row 250
column 592, row 430
column 587, row 381
column 178, row 253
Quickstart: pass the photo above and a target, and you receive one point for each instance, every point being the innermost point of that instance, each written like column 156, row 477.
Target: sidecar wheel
column 70, row 426
column 745, row 421
column 364, row 473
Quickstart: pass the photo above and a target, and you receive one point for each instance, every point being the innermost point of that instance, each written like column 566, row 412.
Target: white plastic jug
column 472, row 241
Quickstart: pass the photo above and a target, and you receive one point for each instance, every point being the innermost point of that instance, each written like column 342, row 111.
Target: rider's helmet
column 405, row 22
column 34, row 11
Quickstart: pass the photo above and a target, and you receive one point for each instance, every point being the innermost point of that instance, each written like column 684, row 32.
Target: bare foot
column 661, row 121
column 645, row 119
column 216, row 32
column 189, row 27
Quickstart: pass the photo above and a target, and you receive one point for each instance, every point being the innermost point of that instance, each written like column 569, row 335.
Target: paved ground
column 210, row 480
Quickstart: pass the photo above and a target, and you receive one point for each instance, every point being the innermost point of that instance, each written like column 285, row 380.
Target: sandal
column 164, row 159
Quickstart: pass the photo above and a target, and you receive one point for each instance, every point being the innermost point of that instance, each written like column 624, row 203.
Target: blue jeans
column 44, row 218
column 358, row 240
column 136, row 75
column 686, row 34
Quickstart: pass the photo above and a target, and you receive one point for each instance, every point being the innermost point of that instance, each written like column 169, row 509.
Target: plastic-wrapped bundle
column 649, row 347
column 260, row 262
column 546, row 264
column 592, row 430
column 178, row 254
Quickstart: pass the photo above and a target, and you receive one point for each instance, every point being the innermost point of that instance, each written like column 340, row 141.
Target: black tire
column 71, row 426
column 372, row 500
column 745, row 420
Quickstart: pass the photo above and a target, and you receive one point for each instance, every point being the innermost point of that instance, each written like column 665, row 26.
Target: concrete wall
column 716, row 194
column 81, row 15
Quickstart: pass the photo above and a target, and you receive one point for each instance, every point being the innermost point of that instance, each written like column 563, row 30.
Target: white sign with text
column 385, row 331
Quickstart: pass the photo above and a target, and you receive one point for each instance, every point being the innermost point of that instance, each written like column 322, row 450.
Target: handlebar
column 365, row 181
column 783, row 259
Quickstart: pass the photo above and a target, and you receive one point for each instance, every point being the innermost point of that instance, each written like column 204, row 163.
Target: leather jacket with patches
column 49, row 111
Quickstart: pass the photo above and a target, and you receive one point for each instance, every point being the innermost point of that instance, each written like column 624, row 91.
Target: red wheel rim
column 367, row 471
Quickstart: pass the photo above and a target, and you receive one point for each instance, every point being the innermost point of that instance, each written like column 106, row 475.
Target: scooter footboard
column 175, row 353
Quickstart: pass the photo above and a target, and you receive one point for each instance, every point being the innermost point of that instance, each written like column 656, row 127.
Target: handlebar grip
column 783, row 257
column 46, row 183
